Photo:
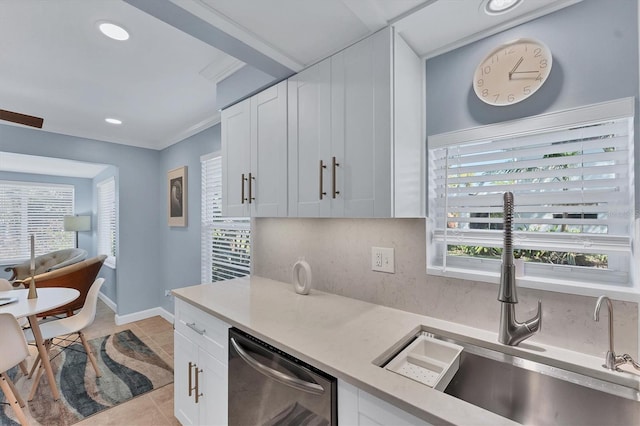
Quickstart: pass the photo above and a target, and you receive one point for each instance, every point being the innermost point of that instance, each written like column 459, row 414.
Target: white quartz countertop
column 346, row 337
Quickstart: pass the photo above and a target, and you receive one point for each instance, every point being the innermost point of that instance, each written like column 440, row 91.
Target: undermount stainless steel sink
column 530, row 392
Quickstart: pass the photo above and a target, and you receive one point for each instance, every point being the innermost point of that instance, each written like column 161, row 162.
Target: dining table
column 48, row 298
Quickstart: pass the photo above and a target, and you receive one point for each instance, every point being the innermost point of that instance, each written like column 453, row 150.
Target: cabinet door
column 310, row 141
column 408, row 116
column 373, row 411
column 357, row 407
column 236, row 163
column 361, row 128
column 185, row 409
column 269, row 152
column 213, row 387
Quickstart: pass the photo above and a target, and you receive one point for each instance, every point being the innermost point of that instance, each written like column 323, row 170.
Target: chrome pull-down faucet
column 511, row 331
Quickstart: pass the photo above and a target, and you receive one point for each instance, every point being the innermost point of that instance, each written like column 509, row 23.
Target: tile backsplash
column 339, row 252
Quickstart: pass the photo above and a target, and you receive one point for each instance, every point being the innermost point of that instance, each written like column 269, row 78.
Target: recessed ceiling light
column 113, row 31
column 113, row 121
column 495, row 7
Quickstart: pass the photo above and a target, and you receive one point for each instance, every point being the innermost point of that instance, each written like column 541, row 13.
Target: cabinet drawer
column 205, row 330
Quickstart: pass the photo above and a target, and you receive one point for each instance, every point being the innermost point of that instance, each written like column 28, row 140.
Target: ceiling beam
column 176, row 16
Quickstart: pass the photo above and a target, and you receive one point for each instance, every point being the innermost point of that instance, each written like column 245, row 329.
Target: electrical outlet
column 382, row 260
column 167, row 293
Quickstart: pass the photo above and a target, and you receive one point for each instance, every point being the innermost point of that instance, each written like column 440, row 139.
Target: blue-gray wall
column 595, row 58
column 141, row 211
column 180, row 247
column 151, row 256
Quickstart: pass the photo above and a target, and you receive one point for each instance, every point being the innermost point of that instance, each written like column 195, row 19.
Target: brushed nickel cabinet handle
column 334, row 164
column 197, row 387
column 252, row 179
column 322, row 166
column 190, row 384
column 242, row 190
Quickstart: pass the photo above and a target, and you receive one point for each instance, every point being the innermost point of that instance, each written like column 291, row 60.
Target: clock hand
column 523, row 72
column 516, row 66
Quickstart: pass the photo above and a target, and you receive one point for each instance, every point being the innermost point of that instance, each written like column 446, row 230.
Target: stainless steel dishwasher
column 270, row 387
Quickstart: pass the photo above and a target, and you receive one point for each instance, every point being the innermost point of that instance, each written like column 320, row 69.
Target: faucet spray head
column 507, row 291
column 507, row 252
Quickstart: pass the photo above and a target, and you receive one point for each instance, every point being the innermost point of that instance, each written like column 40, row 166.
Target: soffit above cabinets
column 303, row 31
column 298, row 33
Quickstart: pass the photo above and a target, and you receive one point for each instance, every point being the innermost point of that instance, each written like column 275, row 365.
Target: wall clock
column 512, row 72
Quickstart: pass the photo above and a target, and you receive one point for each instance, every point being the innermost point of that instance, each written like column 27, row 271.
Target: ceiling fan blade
column 16, row 117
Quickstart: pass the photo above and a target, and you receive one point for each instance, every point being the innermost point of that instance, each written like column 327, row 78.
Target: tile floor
column 153, row 408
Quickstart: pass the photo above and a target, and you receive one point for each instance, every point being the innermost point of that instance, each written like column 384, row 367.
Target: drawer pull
column 192, row 325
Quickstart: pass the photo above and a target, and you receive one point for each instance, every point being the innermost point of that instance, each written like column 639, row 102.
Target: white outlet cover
column 382, row 259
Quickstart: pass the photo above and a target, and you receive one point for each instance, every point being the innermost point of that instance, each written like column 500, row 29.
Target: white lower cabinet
column 358, row 408
column 200, row 367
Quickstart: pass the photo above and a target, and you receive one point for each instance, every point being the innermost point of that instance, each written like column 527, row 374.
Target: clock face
column 512, row 72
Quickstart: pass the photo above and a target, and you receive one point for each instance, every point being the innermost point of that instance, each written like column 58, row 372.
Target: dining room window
column 106, row 218
column 572, row 176
column 225, row 241
column 38, row 209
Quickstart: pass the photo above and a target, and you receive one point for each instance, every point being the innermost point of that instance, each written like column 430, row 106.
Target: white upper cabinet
column 310, row 141
column 347, row 158
column 254, row 155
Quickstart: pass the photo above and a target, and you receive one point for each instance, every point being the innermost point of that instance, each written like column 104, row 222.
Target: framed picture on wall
column 177, row 183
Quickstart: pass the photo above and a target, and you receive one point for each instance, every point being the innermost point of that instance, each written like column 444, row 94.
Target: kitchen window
column 226, row 248
column 106, row 231
column 37, row 209
column 571, row 173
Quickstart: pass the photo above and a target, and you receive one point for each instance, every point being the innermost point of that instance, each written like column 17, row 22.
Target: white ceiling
column 162, row 82
column 56, row 65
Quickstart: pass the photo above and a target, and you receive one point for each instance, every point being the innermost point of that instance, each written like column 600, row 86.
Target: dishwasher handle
column 276, row 375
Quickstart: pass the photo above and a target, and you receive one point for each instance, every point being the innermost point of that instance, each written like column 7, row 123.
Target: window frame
column 110, row 226
column 487, row 270
column 230, row 227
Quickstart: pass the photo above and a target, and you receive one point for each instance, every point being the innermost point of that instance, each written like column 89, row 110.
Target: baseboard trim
column 136, row 316
column 110, row 303
column 140, row 315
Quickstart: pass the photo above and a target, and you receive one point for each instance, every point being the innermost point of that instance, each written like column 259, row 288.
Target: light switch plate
column 382, row 259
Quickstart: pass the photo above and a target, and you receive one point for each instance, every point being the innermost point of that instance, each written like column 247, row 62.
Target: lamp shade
column 77, row 223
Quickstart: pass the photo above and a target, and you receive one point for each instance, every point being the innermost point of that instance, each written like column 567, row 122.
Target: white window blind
column 106, row 231
column 225, row 249
column 574, row 201
column 36, row 209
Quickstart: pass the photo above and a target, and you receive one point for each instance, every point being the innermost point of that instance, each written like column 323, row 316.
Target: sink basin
column 530, row 392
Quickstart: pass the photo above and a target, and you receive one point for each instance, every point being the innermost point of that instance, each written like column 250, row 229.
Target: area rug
column 129, row 368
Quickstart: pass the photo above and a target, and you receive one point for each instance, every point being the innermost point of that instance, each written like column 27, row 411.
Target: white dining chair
column 5, row 285
column 13, row 351
column 68, row 326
